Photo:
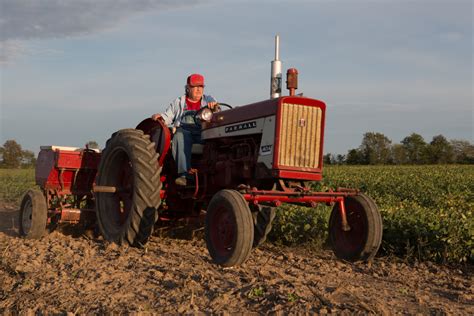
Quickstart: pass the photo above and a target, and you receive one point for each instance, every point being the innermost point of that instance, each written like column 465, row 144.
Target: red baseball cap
column 195, row 80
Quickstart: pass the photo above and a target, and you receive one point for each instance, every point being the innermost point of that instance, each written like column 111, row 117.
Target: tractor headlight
column 206, row 115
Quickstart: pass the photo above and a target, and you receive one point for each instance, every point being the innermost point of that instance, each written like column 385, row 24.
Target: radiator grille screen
column 300, row 136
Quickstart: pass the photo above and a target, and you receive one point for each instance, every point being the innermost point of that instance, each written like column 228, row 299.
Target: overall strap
column 182, row 105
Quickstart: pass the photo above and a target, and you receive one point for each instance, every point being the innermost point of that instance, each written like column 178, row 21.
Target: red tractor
column 254, row 158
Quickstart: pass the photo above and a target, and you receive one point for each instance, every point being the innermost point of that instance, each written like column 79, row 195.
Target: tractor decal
column 240, row 127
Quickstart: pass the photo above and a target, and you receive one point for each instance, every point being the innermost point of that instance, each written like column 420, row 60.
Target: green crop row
column 427, row 211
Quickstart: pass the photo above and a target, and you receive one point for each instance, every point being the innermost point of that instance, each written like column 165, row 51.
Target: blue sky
column 74, row 71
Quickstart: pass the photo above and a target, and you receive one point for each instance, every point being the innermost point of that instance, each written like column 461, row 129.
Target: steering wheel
column 218, row 105
column 224, row 104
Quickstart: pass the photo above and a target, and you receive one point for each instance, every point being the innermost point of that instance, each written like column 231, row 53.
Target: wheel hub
column 224, row 233
column 27, row 217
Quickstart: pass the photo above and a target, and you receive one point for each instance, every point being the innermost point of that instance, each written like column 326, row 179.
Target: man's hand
column 156, row 117
column 213, row 106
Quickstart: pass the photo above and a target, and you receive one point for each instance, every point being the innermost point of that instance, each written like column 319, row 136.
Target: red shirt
column 190, row 105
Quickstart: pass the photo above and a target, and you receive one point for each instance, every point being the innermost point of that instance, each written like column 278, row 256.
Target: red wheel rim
column 353, row 240
column 222, row 231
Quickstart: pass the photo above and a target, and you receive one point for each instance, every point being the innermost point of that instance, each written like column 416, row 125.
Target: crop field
column 427, row 210
column 14, row 183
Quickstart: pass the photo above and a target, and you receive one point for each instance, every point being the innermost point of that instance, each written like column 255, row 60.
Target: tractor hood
column 258, row 110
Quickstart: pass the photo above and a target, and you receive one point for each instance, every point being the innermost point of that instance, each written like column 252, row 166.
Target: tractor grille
column 300, row 136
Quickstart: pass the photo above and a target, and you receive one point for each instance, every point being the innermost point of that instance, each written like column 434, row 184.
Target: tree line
column 12, row 156
column 377, row 149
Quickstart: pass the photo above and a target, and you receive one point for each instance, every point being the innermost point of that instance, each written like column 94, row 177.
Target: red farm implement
column 65, row 176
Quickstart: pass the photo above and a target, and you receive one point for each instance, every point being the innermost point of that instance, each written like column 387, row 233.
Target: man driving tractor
column 180, row 116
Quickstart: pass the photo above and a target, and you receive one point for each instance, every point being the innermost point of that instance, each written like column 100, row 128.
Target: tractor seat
column 197, row 149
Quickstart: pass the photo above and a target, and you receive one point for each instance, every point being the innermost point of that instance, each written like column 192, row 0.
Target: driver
column 187, row 131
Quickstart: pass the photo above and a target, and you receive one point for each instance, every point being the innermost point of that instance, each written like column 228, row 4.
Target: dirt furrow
column 63, row 272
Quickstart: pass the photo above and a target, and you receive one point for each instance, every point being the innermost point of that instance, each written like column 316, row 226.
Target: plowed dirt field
column 75, row 272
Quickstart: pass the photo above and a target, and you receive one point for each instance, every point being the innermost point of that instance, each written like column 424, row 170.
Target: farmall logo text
column 240, row 127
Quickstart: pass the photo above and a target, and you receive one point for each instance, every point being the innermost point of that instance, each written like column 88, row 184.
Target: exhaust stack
column 275, row 82
column 292, row 80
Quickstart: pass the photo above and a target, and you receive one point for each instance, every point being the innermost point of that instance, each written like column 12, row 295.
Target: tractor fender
column 159, row 134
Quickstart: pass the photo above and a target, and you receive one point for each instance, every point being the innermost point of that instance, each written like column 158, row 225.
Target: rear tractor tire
column 362, row 241
column 229, row 228
column 33, row 215
column 130, row 164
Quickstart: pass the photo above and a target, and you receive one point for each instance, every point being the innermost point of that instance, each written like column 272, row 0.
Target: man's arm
column 170, row 113
column 211, row 102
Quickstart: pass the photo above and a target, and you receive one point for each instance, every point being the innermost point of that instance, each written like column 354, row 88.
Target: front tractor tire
column 229, row 228
column 33, row 215
column 362, row 241
column 130, row 164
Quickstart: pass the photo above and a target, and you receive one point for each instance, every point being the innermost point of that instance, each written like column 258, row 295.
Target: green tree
column 11, row 154
column 92, row 144
column 463, row 151
column 354, row 157
column 28, row 159
column 440, row 150
column 328, row 159
column 415, row 147
column 375, row 148
column 399, row 154
column 340, row 159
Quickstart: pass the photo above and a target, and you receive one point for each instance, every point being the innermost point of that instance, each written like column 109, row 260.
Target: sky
column 79, row 70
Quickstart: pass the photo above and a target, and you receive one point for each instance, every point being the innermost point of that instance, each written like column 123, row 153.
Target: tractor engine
column 232, row 160
column 260, row 143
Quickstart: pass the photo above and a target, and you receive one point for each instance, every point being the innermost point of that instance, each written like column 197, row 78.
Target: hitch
column 109, row 189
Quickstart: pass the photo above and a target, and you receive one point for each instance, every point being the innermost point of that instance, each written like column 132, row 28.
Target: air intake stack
column 275, row 82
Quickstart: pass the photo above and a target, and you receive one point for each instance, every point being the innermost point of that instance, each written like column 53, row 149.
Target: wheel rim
column 350, row 242
column 223, row 230
column 27, row 218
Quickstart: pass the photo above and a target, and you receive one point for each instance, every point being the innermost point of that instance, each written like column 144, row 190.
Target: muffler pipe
column 275, row 82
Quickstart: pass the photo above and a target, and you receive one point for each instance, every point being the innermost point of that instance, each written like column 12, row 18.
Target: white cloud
column 11, row 48
column 31, row 19
column 17, row 48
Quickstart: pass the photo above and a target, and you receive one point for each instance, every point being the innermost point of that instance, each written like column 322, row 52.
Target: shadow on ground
column 9, row 222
